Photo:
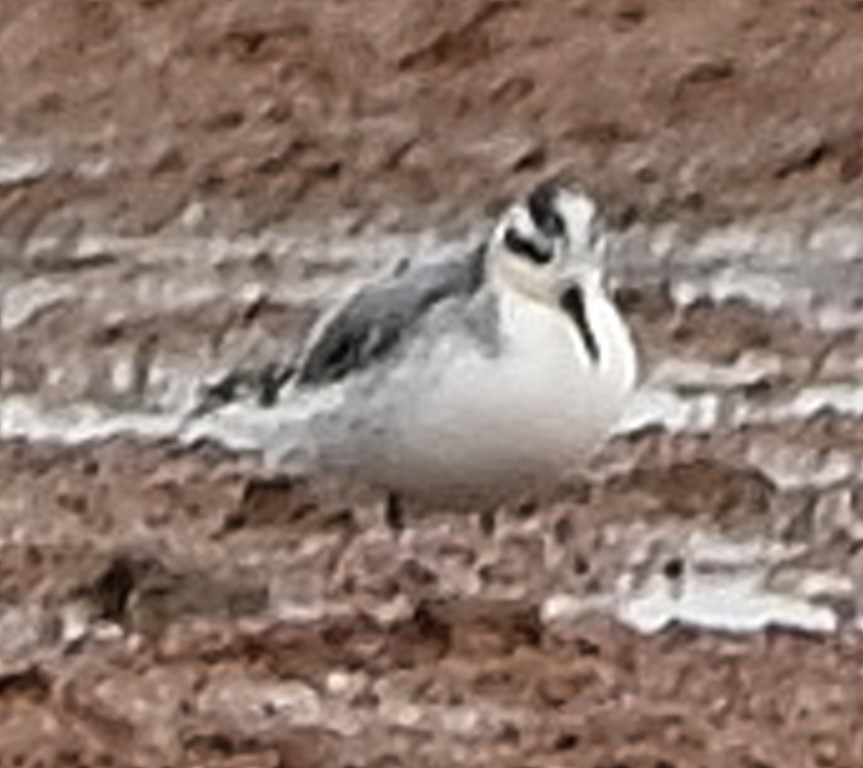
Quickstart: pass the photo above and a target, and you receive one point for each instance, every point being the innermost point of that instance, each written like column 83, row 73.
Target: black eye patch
column 527, row 248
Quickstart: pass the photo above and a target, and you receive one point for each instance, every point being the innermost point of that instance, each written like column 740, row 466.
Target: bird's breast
column 538, row 407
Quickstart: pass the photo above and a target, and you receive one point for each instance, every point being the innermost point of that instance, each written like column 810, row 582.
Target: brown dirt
column 163, row 608
column 170, row 558
column 279, row 110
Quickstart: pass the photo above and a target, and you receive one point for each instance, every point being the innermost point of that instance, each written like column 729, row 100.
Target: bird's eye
column 527, row 248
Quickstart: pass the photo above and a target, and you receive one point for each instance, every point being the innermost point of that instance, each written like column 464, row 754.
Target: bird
column 473, row 378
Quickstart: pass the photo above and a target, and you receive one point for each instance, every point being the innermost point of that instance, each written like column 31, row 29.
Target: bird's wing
column 378, row 319
column 370, row 325
column 260, row 385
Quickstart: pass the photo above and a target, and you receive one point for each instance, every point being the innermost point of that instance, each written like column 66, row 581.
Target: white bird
column 475, row 377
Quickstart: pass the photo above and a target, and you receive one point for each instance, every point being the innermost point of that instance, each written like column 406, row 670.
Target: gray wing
column 381, row 316
column 373, row 323
column 262, row 385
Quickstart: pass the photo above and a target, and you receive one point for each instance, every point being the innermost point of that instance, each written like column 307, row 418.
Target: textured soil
column 163, row 607
column 277, row 110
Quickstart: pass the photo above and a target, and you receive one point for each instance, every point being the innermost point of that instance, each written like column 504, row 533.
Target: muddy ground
column 184, row 185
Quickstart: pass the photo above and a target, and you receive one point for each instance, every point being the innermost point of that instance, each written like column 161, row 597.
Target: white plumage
column 476, row 377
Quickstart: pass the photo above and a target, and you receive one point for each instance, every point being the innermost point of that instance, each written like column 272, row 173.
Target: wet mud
column 185, row 186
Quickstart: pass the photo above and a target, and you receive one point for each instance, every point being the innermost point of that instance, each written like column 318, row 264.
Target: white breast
column 536, row 410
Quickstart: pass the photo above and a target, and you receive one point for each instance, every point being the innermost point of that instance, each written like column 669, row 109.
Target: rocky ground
column 184, row 185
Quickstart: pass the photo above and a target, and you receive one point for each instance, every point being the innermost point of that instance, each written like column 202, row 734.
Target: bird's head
column 546, row 244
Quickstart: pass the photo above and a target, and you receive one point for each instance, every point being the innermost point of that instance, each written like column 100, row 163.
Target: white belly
column 494, row 423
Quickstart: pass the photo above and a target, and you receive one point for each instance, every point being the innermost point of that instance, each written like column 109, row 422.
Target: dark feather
column 572, row 302
column 376, row 321
column 260, row 384
column 541, row 204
